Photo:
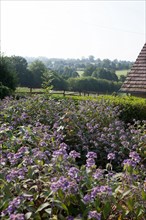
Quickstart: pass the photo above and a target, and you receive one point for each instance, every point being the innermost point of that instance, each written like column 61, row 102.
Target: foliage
column 122, row 72
column 37, row 69
column 93, row 84
column 89, row 70
column 131, row 107
column 8, row 75
column 51, row 78
column 105, row 74
column 4, row 91
column 70, row 159
column 67, row 72
column 20, row 65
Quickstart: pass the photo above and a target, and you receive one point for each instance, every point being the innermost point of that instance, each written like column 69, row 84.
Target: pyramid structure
column 135, row 82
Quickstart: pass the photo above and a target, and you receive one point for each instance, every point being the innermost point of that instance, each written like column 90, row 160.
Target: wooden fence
column 63, row 93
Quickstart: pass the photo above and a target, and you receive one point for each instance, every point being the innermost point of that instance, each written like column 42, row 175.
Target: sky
column 73, row 29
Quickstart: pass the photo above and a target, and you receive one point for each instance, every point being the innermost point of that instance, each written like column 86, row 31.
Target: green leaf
column 41, row 207
column 49, row 210
column 106, row 209
column 143, row 195
column 130, row 204
column 126, row 193
column 28, row 215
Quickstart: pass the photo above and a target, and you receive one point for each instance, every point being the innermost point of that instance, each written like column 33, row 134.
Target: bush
column 132, row 108
column 4, row 91
column 65, row 159
column 86, row 84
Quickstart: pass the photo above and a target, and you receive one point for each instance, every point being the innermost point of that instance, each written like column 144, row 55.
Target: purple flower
column 94, row 192
column 94, row 215
column 87, row 198
column 60, row 152
column 43, row 144
column 16, row 174
column 111, row 156
column 70, row 218
column 64, row 184
column 63, row 146
column 129, row 162
column 135, row 156
column 73, row 172
column 100, row 189
column 98, row 174
column 13, row 205
column 74, row 154
column 17, row 217
column 91, row 154
column 106, row 189
column 90, row 162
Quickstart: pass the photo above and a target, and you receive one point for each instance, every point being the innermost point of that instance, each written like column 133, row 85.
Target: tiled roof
column 136, row 78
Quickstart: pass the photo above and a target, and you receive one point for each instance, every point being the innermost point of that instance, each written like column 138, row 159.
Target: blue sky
column 73, row 29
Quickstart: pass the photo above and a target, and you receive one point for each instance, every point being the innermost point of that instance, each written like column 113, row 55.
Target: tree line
column 61, row 74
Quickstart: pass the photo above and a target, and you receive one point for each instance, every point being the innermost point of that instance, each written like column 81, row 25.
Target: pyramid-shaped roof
column 135, row 82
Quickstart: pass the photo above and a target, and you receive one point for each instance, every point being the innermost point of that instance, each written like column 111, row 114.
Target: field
column 121, row 72
column 26, row 90
column 72, row 158
column 80, row 72
column 118, row 72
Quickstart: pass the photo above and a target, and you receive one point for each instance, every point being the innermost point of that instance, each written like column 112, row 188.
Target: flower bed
column 66, row 159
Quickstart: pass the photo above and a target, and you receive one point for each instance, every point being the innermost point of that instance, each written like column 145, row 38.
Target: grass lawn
column 121, row 72
column 26, row 89
column 80, row 72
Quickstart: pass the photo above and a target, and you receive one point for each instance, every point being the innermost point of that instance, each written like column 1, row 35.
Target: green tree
column 37, row 69
column 122, row 78
column 103, row 73
column 51, row 78
column 8, row 76
column 91, row 84
column 89, row 70
column 20, row 65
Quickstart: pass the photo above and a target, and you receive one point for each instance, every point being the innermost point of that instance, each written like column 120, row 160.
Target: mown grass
column 80, row 72
column 121, row 72
column 26, row 89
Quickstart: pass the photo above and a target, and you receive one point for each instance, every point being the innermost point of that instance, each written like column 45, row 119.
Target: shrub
column 131, row 107
column 70, row 160
column 4, row 91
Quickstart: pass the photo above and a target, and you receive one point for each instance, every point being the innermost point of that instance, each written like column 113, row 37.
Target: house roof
column 136, row 79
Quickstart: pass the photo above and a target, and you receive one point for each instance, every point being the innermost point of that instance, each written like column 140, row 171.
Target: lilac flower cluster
column 97, row 191
column 101, row 189
column 74, row 154
column 90, row 162
column 135, row 159
column 57, row 151
column 14, row 158
column 94, row 215
column 65, row 184
column 17, row 217
column 16, row 173
column 13, row 206
column 111, row 156
column 98, row 174
column 135, row 156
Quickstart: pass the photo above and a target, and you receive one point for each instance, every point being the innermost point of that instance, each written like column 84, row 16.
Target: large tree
column 8, row 76
column 51, row 78
column 37, row 69
column 103, row 73
column 89, row 70
column 20, row 65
